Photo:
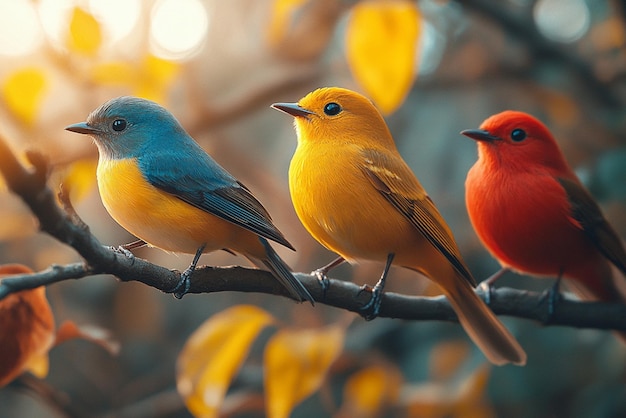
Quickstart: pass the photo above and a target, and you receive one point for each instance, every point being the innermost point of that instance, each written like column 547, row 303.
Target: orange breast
column 161, row 219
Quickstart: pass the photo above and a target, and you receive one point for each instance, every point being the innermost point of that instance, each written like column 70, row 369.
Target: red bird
column 533, row 214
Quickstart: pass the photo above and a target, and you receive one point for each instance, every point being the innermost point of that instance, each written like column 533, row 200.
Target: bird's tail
column 283, row 273
column 482, row 325
column 599, row 287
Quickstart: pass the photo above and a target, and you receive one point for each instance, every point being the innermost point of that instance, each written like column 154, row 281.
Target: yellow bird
column 355, row 194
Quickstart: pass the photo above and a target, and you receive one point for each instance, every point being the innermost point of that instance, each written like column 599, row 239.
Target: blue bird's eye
column 332, row 109
column 118, row 125
column 518, row 135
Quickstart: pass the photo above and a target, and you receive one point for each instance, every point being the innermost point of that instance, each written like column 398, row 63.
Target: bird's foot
column 322, row 279
column 487, row 288
column 552, row 296
column 371, row 309
column 184, row 284
column 122, row 250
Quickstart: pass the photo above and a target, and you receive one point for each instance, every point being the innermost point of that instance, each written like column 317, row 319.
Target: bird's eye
column 332, row 109
column 518, row 135
column 118, row 125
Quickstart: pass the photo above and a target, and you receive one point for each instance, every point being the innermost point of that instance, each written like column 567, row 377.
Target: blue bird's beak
column 292, row 109
column 82, row 128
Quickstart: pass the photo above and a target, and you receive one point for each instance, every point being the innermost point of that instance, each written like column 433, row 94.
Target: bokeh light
column 118, row 17
column 178, row 28
column 20, row 33
column 54, row 16
column 562, row 20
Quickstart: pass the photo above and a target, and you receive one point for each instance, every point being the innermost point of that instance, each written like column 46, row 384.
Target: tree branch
column 66, row 227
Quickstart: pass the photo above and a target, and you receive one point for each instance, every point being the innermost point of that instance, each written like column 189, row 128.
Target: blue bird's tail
column 283, row 273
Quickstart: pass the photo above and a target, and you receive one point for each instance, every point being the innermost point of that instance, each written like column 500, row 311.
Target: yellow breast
column 159, row 218
column 339, row 206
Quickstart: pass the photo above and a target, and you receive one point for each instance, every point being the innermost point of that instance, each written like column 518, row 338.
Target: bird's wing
column 586, row 214
column 397, row 183
column 197, row 179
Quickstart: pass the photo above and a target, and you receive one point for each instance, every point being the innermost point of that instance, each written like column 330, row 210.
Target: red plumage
column 533, row 214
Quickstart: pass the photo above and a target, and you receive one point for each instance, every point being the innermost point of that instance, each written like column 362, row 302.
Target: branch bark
column 65, row 226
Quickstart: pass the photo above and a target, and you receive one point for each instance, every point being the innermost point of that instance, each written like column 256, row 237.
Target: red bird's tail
column 600, row 287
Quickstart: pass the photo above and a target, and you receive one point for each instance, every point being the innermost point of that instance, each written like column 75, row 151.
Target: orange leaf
column 368, row 390
column 26, row 329
column 85, row 35
column 381, row 49
column 23, row 91
column 214, row 353
column 447, row 358
column 68, row 330
column 296, row 363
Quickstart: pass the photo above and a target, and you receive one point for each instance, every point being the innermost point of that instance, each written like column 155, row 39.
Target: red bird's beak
column 479, row 135
column 293, row 109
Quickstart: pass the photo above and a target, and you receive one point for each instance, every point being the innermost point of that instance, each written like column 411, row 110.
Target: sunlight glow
column 118, row 17
column 20, row 33
column 562, row 20
column 54, row 17
column 178, row 28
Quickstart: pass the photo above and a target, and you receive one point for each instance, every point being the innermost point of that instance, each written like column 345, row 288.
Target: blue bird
column 162, row 187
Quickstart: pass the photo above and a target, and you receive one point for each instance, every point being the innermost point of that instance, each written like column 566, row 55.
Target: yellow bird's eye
column 332, row 109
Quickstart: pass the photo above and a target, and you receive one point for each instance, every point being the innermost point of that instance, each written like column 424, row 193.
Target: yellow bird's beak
column 293, row 109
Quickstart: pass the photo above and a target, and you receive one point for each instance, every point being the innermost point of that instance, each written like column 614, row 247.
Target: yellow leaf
column 38, row 365
column 296, row 363
column 464, row 399
column 214, row 353
column 282, row 14
column 368, row 390
column 381, row 49
column 300, row 30
column 80, row 179
column 85, row 34
column 114, row 73
column 23, row 91
column 155, row 75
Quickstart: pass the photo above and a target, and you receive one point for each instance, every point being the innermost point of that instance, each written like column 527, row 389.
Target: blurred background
column 217, row 66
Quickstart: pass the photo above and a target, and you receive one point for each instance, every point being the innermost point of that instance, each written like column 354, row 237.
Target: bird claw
column 552, row 296
column 322, row 279
column 371, row 309
column 487, row 288
column 122, row 250
column 183, row 286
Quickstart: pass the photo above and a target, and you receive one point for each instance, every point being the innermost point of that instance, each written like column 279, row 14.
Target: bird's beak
column 293, row 109
column 479, row 135
column 82, row 128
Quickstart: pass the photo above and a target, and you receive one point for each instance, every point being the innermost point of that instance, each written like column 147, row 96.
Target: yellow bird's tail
column 482, row 325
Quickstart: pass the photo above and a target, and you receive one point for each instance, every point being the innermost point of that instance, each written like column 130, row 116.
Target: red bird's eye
column 518, row 135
